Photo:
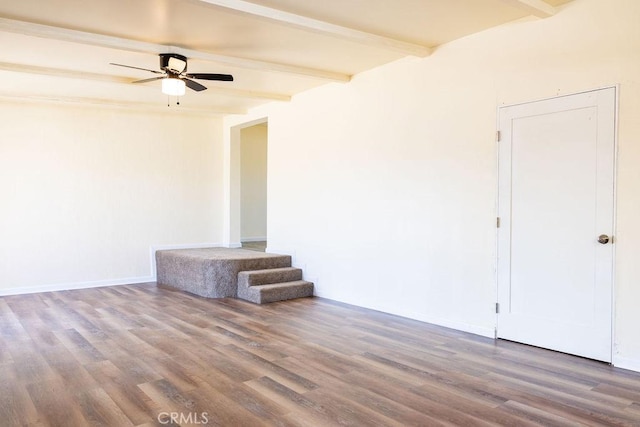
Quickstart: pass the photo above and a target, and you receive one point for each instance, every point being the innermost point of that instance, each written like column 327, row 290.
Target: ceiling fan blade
column 209, row 76
column 149, row 80
column 194, row 85
column 136, row 68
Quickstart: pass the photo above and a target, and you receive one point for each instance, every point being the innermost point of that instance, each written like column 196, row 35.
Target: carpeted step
column 211, row 272
column 262, row 294
column 268, row 276
column 247, row 280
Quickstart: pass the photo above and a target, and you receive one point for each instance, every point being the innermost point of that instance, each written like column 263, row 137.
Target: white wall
column 86, row 192
column 384, row 189
column 253, row 183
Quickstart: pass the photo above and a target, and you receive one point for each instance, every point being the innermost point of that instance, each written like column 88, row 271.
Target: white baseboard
column 76, row 285
column 153, row 250
column 107, row 282
column 453, row 324
column 459, row 326
column 253, row 239
column 626, row 363
column 185, row 246
column 484, row 331
column 234, row 245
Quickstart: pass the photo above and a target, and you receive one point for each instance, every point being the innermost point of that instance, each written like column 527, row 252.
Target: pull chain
column 169, row 100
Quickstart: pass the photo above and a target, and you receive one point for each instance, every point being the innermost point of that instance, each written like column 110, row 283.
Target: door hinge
column 497, row 307
column 498, row 222
column 498, row 136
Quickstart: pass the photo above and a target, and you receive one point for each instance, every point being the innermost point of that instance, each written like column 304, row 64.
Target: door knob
column 603, row 239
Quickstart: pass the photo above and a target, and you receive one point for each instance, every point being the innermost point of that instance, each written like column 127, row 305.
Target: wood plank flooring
column 140, row 355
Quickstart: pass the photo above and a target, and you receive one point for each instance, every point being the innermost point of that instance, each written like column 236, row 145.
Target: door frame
column 231, row 176
column 247, row 149
column 616, row 88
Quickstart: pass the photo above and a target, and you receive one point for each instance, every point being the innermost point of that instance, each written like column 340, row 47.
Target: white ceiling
column 60, row 50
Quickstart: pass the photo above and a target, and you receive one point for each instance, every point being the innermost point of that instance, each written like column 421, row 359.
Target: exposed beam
column 93, row 39
column 537, row 8
column 258, row 65
column 250, row 94
column 322, row 27
column 57, row 72
column 140, row 106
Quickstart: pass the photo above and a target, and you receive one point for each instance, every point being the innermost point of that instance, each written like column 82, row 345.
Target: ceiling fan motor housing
column 173, row 63
column 174, row 74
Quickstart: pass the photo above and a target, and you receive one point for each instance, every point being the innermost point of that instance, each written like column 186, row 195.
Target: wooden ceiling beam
column 538, row 8
column 322, row 27
column 93, row 39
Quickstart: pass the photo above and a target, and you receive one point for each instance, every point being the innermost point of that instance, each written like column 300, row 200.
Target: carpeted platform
column 213, row 273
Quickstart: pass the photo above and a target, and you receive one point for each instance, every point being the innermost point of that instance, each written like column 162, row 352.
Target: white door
column 556, row 197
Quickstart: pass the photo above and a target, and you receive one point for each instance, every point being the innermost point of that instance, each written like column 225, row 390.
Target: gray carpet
column 276, row 284
column 211, row 272
column 221, row 273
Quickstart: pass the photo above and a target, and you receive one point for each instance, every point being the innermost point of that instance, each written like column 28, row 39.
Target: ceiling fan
column 175, row 77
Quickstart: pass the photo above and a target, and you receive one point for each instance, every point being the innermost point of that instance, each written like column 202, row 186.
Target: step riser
column 266, row 277
column 259, row 295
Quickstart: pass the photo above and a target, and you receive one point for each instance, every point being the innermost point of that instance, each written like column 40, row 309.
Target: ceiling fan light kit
column 173, row 86
column 175, row 78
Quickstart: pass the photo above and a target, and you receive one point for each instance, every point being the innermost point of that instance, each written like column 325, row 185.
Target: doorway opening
column 255, row 203
column 253, row 187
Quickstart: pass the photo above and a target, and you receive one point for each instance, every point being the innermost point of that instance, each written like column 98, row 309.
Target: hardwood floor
column 140, row 355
